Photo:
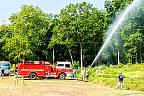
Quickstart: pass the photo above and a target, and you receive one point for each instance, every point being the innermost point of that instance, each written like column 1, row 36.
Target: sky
column 7, row 7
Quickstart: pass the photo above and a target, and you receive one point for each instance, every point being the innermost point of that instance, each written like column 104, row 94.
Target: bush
column 102, row 67
column 113, row 66
column 120, row 65
column 76, row 64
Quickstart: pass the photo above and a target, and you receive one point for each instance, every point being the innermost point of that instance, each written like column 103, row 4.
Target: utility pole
column 81, row 55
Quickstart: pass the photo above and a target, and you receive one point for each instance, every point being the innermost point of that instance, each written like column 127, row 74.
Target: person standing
column 120, row 81
column 74, row 73
column 82, row 74
column 87, row 74
column 16, row 77
column 0, row 73
column 47, row 75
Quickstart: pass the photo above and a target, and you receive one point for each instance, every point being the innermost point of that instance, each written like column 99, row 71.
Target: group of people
column 84, row 74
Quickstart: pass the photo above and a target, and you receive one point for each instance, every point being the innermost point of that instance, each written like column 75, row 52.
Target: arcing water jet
column 117, row 23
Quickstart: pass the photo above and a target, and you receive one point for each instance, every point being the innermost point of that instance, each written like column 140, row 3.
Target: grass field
column 107, row 75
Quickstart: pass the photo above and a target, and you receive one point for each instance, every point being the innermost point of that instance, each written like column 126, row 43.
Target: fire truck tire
column 62, row 76
column 32, row 76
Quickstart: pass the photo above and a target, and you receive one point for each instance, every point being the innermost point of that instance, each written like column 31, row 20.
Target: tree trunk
column 81, row 55
column 71, row 56
column 118, row 57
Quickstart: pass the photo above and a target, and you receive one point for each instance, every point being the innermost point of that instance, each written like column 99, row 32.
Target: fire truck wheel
column 32, row 76
column 62, row 76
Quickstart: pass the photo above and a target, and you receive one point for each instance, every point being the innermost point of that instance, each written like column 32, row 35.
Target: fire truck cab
column 35, row 69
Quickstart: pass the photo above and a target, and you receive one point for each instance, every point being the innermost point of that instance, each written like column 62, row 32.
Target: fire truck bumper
column 69, row 74
column 20, row 76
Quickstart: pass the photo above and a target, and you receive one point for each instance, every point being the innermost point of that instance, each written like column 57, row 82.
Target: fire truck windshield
column 67, row 65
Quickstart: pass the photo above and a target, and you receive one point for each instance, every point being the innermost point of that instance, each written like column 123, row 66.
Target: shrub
column 102, row 67
column 76, row 64
column 120, row 65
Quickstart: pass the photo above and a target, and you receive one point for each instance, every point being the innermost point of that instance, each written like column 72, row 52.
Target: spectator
column 87, row 74
column 16, row 78
column 47, row 75
column 74, row 73
column 2, row 71
column 82, row 74
column 120, row 81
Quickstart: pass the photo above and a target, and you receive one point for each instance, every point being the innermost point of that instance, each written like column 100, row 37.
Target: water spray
column 116, row 26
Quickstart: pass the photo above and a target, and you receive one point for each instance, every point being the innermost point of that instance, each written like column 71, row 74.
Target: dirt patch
column 55, row 87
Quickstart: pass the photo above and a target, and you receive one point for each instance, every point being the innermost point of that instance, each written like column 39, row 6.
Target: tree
column 115, row 7
column 80, row 23
column 30, row 34
column 4, row 33
column 132, row 34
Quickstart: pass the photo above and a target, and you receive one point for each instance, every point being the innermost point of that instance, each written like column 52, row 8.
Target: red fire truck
column 35, row 69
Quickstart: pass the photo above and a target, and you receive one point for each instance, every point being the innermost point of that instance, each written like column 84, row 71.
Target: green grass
column 133, row 73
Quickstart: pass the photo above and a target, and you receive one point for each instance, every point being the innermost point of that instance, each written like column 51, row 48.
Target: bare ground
column 55, row 87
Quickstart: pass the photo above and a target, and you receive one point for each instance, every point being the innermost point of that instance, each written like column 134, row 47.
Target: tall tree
column 80, row 23
column 28, row 28
column 4, row 33
column 131, row 32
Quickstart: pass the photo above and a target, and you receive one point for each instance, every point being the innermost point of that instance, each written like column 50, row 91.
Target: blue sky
column 7, row 7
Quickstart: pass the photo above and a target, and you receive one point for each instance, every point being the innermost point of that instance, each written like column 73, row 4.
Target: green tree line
column 33, row 34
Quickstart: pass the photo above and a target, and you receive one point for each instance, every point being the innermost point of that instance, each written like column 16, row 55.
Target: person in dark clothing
column 120, row 80
column 2, row 71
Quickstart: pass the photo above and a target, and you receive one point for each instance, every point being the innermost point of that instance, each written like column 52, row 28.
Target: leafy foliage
column 80, row 23
column 33, row 34
column 29, row 29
